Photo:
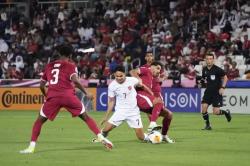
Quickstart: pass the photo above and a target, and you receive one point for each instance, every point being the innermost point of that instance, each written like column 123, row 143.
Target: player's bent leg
column 105, row 131
column 218, row 111
column 217, row 103
column 141, row 135
column 35, row 134
column 90, row 123
column 166, row 113
column 37, row 127
column 167, row 118
column 93, row 127
column 146, row 103
column 108, row 127
column 153, row 125
column 156, row 111
column 157, row 108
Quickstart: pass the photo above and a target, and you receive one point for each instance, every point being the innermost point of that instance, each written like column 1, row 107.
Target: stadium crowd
column 179, row 33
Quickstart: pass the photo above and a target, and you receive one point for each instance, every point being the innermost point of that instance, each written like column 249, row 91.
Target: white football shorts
column 133, row 120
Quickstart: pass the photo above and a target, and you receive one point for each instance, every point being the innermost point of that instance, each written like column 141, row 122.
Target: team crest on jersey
column 130, row 87
column 212, row 77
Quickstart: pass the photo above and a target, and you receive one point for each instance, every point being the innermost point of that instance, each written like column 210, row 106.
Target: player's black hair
column 210, row 54
column 149, row 52
column 65, row 50
column 156, row 63
column 119, row 68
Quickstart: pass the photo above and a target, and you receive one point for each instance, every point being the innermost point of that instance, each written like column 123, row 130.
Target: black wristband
column 223, row 87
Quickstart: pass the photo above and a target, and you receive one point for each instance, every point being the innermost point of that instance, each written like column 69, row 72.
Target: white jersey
column 125, row 94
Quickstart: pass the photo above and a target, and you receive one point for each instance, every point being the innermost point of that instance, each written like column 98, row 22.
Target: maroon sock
column 36, row 129
column 165, row 125
column 156, row 111
column 92, row 125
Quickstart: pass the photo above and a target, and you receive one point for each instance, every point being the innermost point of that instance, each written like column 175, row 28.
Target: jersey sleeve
column 221, row 72
column 111, row 92
column 134, row 81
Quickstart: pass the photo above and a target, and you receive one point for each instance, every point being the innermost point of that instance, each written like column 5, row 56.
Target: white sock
column 100, row 136
column 146, row 137
column 152, row 124
column 32, row 144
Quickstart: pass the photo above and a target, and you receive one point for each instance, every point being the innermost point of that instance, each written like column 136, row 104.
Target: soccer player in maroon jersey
column 156, row 89
column 146, row 99
column 61, row 93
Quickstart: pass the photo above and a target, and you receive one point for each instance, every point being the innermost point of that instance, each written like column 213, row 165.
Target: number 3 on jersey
column 55, row 74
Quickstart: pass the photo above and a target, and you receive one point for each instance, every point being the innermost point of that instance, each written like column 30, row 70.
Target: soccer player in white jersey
column 122, row 97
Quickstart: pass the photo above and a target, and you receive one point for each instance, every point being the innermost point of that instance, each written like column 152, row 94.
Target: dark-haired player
column 122, row 98
column 59, row 75
column 156, row 89
column 146, row 99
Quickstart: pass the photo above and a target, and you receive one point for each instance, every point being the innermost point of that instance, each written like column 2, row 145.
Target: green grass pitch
column 67, row 142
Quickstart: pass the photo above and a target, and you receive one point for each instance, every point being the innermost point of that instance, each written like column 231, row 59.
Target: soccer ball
column 155, row 137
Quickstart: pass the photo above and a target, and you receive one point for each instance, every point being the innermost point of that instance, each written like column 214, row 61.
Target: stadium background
column 178, row 32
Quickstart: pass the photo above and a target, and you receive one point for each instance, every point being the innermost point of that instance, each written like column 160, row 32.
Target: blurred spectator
column 19, row 63
column 94, row 74
column 121, row 32
column 4, row 66
column 38, row 68
column 246, row 43
column 12, row 73
column 103, row 82
column 233, row 72
column 3, row 46
column 246, row 75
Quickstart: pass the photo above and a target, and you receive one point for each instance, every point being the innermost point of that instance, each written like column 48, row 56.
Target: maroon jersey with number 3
column 58, row 74
column 61, row 92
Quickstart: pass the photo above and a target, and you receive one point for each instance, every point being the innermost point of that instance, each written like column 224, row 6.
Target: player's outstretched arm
column 42, row 87
column 135, row 73
column 78, row 84
column 111, row 104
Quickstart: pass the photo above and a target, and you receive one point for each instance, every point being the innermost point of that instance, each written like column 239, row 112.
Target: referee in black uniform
column 215, row 80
